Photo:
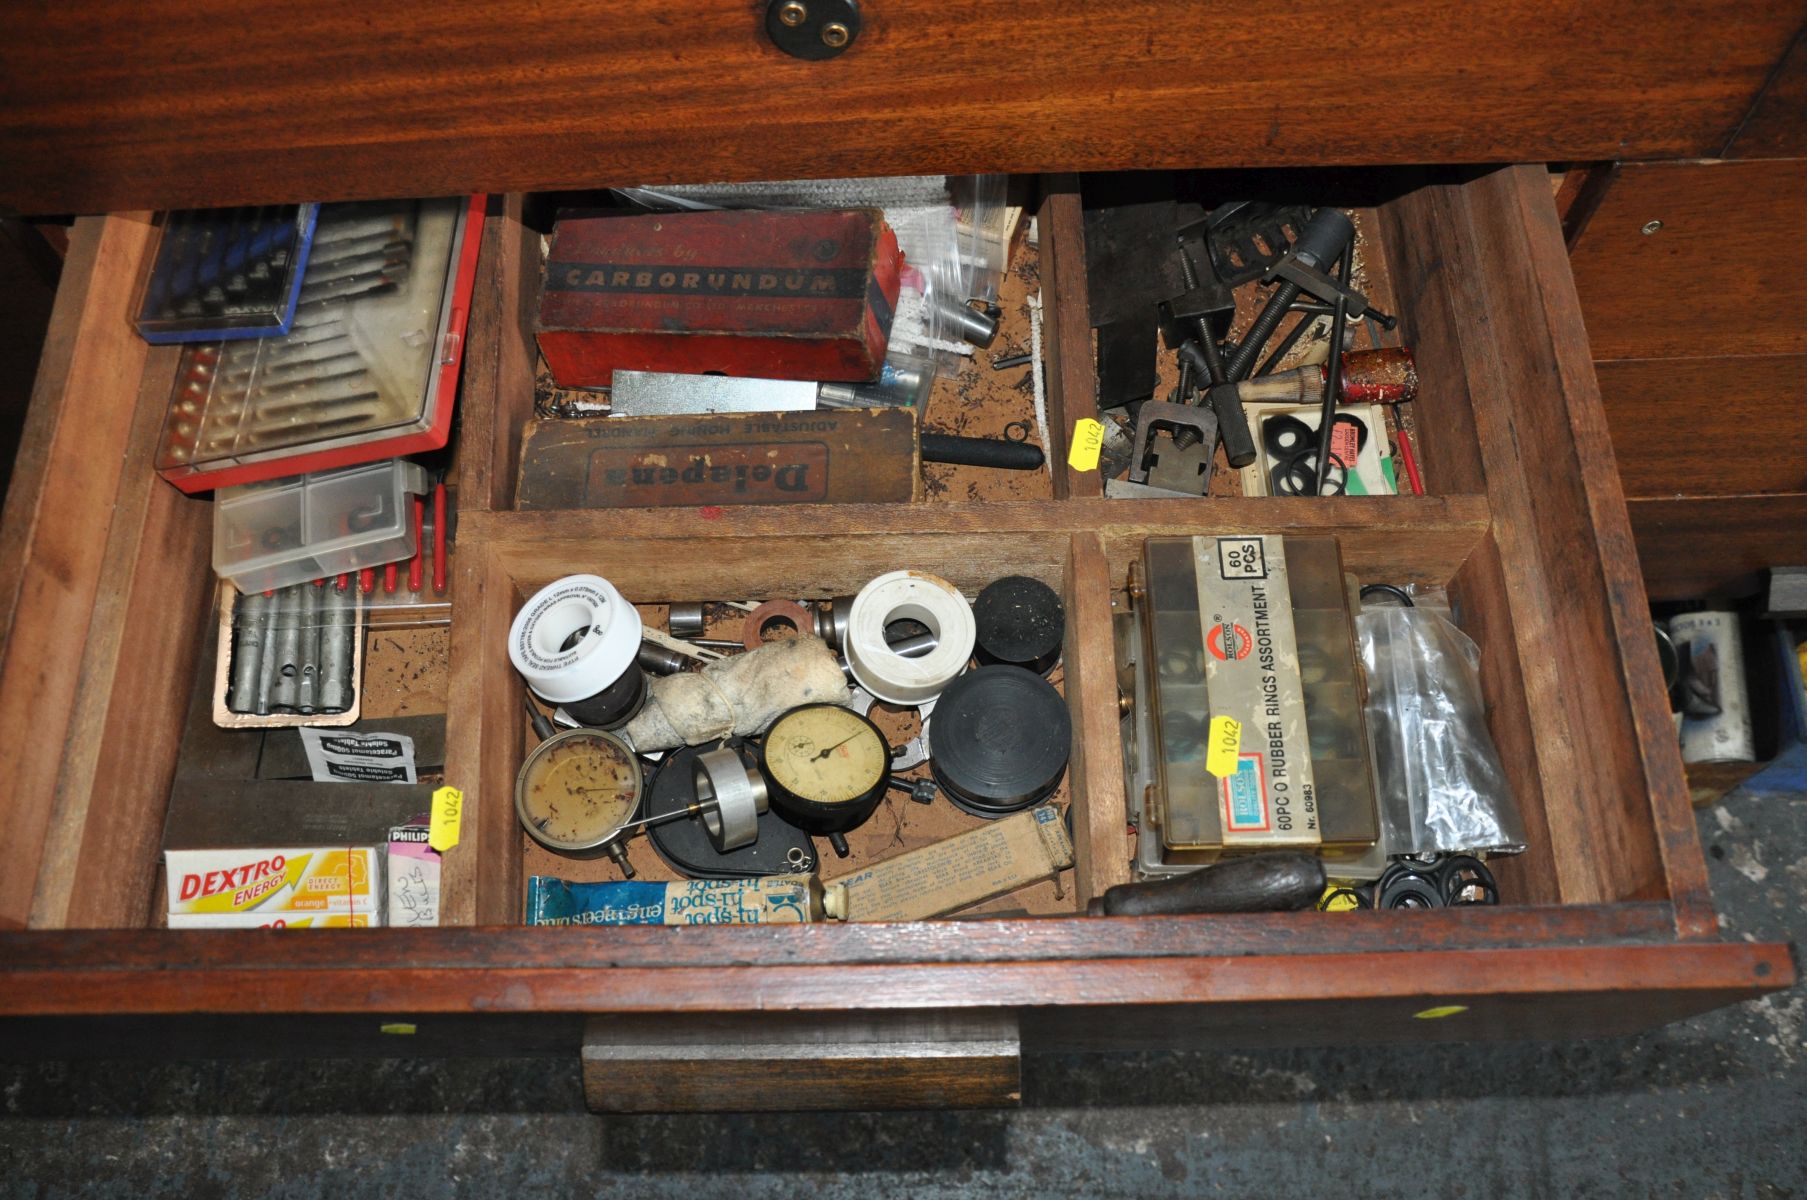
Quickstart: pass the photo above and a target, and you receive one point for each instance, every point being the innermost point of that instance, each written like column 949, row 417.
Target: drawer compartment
column 1606, row 923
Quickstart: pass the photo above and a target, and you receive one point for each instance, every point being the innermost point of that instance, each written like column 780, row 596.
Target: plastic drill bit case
column 270, row 535
column 226, row 273
column 369, row 369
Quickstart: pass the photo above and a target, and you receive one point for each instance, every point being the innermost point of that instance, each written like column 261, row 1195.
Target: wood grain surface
column 1708, row 426
column 1070, row 380
column 1444, row 530
column 802, row 1062
column 1776, row 126
column 125, row 730
column 163, row 103
column 1487, row 280
column 1101, row 846
column 486, row 740
column 1528, row 523
column 994, row 940
column 54, row 533
column 1702, row 389
column 1708, row 283
column 1717, row 546
column 495, row 392
column 262, row 977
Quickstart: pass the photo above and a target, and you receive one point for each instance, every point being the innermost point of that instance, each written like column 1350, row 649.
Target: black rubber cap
column 1324, row 237
column 1000, row 737
column 1020, row 621
column 615, row 705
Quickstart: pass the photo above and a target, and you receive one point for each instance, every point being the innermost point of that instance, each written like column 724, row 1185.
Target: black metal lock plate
column 812, row 29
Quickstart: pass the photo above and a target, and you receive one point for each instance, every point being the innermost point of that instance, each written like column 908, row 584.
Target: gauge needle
column 825, row 753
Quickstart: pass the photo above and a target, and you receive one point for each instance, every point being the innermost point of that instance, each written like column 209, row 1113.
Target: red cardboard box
column 777, row 295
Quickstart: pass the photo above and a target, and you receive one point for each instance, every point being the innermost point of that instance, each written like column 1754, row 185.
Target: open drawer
column 1605, row 926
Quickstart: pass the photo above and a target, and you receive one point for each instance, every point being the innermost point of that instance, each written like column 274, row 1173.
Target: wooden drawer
column 152, row 103
column 1608, row 926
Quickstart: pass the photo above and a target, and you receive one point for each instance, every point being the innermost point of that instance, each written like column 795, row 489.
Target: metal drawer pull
column 812, row 29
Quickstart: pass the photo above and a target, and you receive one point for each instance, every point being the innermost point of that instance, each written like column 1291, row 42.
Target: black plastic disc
column 1019, row 620
column 1001, row 738
column 615, row 705
column 685, row 845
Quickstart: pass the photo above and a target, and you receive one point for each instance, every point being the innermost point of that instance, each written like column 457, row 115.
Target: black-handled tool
column 1232, row 422
column 981, row 452
column 1279, row 882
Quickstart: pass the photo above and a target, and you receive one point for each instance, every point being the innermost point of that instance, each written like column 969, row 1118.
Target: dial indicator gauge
column 825, row 754
column 577, row 789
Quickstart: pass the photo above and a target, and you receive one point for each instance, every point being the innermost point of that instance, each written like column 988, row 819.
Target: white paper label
column 341, row 756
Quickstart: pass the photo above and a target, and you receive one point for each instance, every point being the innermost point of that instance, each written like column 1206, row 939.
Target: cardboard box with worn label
column 832, row 456
column 957, row 872
column 778, row 295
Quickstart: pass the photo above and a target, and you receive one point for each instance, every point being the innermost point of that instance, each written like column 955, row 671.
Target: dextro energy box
column 271, row 921
column 296, row 880
column 772, row 295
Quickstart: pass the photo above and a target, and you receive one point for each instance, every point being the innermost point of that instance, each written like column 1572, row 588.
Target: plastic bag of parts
column 983, row 220
column 1442, row 787
column 950, row 228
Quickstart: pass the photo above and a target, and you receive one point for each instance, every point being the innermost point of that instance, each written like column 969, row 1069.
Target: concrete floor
column 1713, row 1107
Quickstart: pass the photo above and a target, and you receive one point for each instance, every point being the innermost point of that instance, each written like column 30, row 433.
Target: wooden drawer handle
column 802, row 1061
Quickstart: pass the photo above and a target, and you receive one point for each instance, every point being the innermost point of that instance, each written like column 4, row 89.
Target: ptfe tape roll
column 913, row 596
column 566, row 674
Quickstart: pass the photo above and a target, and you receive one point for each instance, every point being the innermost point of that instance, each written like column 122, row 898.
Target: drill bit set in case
column 368, row 369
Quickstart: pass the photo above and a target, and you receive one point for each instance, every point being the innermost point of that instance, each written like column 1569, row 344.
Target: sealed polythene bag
column 1442, row 787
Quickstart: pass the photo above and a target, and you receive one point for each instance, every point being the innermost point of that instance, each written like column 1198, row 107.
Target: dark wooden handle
column 1261, row 883
column 981, row 452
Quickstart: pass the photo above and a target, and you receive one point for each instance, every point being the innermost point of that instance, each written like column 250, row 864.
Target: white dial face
column 827, row 754
column 580, row 791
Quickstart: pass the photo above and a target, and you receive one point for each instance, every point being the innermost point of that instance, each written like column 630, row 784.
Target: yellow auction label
column 448, row 814
column 1442, row 1010
column 1223, row 746
column 1088, row 443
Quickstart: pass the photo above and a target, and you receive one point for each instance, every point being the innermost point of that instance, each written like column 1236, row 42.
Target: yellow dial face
column 580, row 790
column 827, row 754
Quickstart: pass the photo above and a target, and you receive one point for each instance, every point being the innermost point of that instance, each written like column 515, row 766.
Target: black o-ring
column 1387, row 589
column 1307, row 461
column 1411, row 892
column 1285, row 425
column 1018, row 431
column 1463, row 872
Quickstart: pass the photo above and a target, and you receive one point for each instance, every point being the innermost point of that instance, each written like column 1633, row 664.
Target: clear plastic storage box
column 270, row 535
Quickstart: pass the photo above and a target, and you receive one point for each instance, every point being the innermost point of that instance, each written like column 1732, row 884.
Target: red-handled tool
column 420, row 545
column 439, row 538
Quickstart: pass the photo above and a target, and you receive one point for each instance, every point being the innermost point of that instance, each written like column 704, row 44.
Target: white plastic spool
column 913, row 596
column 537, row 638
